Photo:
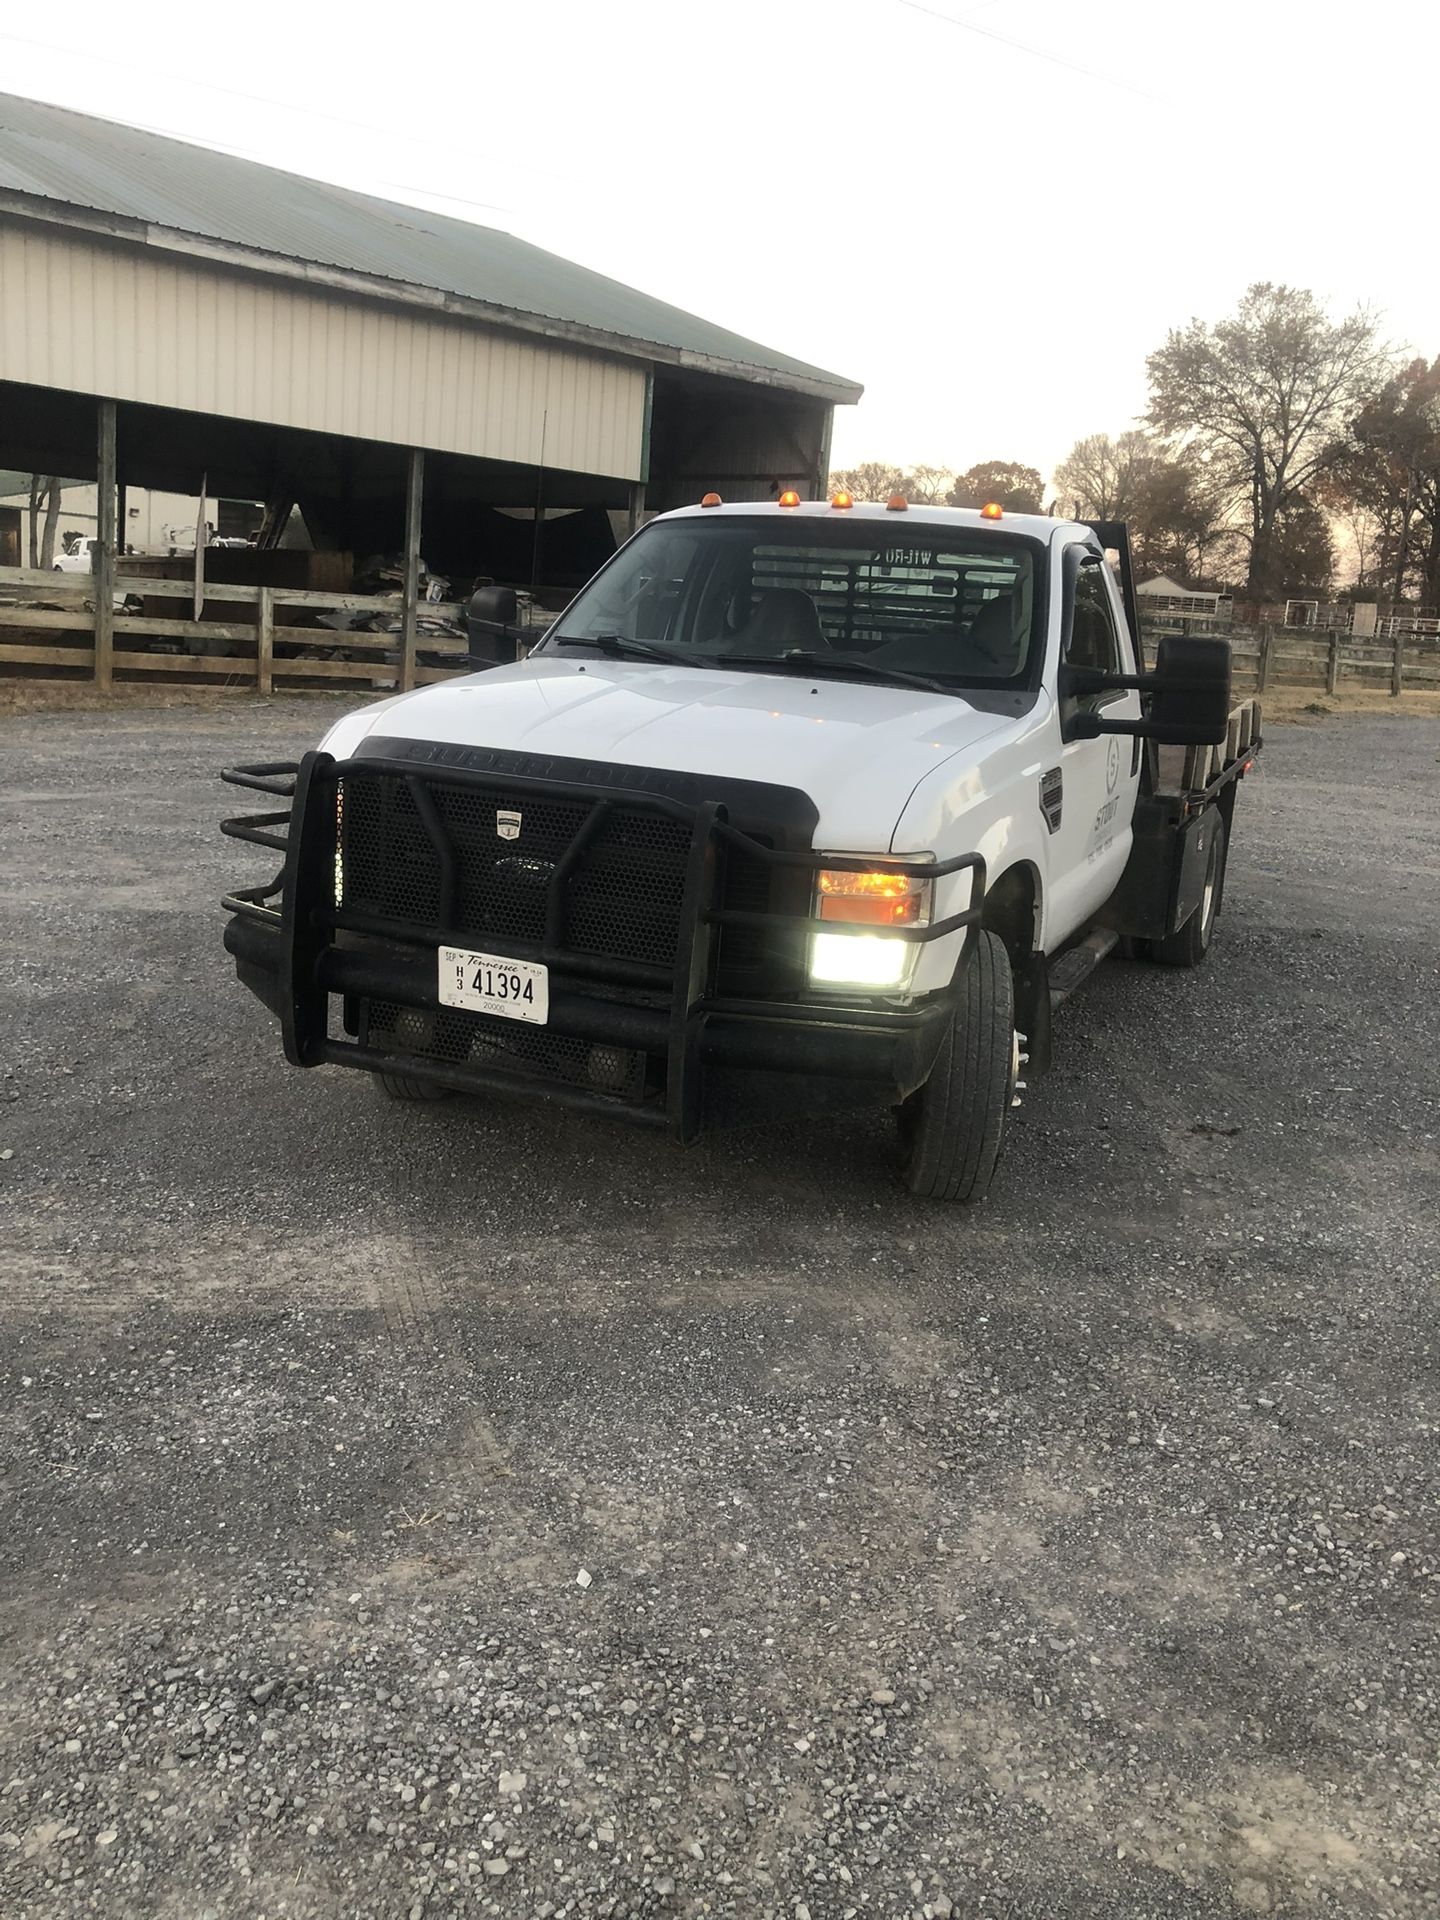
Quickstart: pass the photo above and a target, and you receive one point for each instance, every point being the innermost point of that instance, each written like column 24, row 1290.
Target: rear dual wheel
column 1188, row 945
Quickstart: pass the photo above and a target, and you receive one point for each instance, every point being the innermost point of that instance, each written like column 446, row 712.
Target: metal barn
column 178, row 319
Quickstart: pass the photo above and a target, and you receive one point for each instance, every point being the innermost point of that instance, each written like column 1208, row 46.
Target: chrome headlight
column 874, row 960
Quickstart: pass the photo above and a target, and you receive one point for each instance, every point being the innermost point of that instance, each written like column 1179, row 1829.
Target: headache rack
column 425, row 881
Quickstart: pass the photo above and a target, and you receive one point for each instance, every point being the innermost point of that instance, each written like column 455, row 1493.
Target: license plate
column 494, row 983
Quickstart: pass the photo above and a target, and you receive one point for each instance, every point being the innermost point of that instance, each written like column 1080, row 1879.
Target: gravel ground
column 481, row 1511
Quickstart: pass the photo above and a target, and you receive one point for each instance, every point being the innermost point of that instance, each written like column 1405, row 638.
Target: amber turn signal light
column 871, row 899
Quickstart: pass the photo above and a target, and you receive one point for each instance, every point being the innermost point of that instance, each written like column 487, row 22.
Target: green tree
column 1181, row 523
column 1004, row 481
column 1304, row 554
column 1385, row 481
column 1266, row 395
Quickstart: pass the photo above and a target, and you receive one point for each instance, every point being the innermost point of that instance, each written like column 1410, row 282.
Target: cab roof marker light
column 790, row 498
column 897, row 503
column 841, row 499
column 992, row 510
column 712, row 500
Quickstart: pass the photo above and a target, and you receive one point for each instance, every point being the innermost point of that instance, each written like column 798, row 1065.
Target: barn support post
column 636, row 512
column 265, row 641
column 103, row 555
column 409, row 619
column 822, row 462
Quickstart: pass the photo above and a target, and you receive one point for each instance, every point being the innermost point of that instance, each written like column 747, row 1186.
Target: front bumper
column 630, row 1039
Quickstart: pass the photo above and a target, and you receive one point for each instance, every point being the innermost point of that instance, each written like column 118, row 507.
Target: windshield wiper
column 620, row 645
column 797, row 660
column 811, row 661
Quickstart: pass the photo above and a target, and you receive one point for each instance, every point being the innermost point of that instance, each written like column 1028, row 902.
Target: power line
column 1019, row 46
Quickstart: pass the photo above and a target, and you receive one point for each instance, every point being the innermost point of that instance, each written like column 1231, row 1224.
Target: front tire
column 403, row 1086
column 952, row 1127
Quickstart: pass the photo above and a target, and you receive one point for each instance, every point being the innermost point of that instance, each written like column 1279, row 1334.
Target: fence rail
column 1323, row 658
column 263, row 638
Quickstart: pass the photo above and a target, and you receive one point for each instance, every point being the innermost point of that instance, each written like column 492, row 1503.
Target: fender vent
column 1052, row 797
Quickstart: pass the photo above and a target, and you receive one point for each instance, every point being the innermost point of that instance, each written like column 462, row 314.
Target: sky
column 987, row 211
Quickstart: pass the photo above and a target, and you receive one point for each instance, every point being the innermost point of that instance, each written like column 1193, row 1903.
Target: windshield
column 947, row 603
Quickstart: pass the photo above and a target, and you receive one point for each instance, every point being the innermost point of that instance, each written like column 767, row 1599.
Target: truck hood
column 858, row 749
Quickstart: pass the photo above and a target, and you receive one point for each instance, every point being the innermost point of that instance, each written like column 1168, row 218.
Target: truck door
column 1098, row 779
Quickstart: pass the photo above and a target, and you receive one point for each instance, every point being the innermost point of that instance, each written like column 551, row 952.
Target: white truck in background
column 812, row 788
column 78, row 554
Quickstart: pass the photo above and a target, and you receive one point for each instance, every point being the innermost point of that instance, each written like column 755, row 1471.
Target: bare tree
column 1104, row 479
column 928, row 486
column 44, row 496
column 1266, row 395
column 52, row 520
column 871, row 480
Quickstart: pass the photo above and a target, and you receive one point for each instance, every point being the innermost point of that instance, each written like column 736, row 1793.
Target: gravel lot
column 479, row 1511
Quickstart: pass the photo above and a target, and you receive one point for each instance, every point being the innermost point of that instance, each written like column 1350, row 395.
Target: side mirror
column 1189, row 694
column 493, row 606
column 1190, row 690
column 490, row 622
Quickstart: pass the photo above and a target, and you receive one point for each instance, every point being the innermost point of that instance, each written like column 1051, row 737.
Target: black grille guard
column 298, row 906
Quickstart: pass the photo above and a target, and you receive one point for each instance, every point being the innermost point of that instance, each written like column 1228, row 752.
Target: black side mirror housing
column 1189, row 694
column 493, row 606
column 1190, row 690
column 491, row 618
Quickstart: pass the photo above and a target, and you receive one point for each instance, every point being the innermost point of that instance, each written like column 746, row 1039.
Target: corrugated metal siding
column 71, row 157
column 137, row 326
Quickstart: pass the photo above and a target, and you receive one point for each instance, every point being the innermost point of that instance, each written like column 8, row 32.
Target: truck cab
column 77, row 555
column 848, row 792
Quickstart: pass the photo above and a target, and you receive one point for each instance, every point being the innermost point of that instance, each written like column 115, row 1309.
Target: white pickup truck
column 78, row 554
column 811, row 788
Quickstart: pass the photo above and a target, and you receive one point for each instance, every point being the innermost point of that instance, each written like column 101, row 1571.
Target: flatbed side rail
column 1195, row 775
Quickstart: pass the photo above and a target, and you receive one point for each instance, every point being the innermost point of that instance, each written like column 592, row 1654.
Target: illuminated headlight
column 859, row 960
column 868, row 899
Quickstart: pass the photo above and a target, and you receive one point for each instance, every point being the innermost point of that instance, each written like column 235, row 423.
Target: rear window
column 949, row 603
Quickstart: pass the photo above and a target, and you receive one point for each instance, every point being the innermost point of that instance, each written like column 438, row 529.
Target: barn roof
column 148, row 187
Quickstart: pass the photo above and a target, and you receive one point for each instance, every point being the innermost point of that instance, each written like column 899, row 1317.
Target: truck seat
column 783, row 618
column 992, row 643
column 988, row 646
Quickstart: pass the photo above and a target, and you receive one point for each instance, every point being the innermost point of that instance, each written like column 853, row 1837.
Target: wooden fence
column 54, row 628
column 1326, row 660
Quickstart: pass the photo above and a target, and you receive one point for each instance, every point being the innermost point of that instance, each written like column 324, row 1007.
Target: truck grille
column 622, row 899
